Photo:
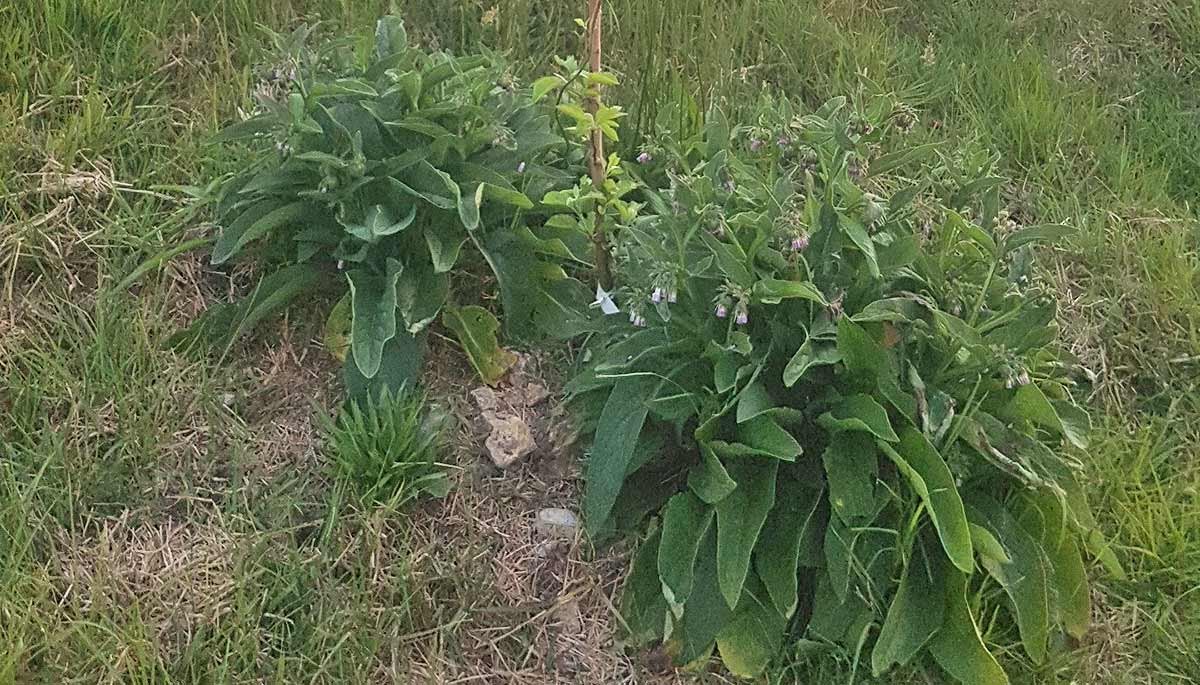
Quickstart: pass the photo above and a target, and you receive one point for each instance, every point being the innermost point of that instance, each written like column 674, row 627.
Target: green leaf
column 731, row 259
column 775, row 291
column 833, row 615
column 399, row 367
column 1029, row 402
column 420, row 294
column 642, row 604
column 916, row 613
column 1044, row 519
column 263, row 123
column 222, row 324
column 1076, row 425
column 685, row 523
column 601, row 78
column 410, row 84
column 859, row 413
column 427, row 182
column 616, row 435
column 373, row 301
column 1024, row 578
column 709, row 479
column 957, row 646
column 390, row 36
column 508, row 196
column 767, row 437
column 544, row 85
column 851, row 468
column 380, row 222
column 707, row 612
column 1037, row 234
column 753, row 401
column 988, row 546
column 791, row 526
column 716, row 131
column 256, row 222
column 753, row 635
column 862, row 240
column 899, row 159
column 811, row 353
column 894, row 309
column 740, row 518
column 929, row 476
column 476, row 330
column 445, row 242
column 861, row 354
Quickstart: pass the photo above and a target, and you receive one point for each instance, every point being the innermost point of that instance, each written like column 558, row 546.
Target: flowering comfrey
column 756, row 145
column 800, row 242
column 644, row 158
column 730, row 297
column 521, row 168
column 743, row 316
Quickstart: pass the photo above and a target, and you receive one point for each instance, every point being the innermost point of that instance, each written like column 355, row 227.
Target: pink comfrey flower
column 644, row 158
column 722, row 311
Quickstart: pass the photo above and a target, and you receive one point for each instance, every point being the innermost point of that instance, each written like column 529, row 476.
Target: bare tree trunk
column 596, row 147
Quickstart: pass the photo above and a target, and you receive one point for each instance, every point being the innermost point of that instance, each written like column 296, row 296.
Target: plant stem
column 596, row 147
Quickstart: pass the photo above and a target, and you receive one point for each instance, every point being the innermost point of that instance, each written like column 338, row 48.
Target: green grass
column 1093, row 105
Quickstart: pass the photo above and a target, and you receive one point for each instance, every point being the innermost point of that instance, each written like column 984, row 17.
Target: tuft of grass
column 387, row 448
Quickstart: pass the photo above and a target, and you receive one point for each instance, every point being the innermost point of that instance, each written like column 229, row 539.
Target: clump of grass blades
column 385, row 448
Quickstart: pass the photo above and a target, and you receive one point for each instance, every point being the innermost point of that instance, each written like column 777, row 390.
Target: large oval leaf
column 851, row 468
column 859, row 413
column 685, row 522
column 1024, row 577
column 754, row 633
column 929, row 476
column 914, row 616
column 791, row 525
column 740, row 518
column 616, row 435
column 373, row 301
column 957, row 646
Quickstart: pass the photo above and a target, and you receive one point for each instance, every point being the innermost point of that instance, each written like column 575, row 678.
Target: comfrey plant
column 838, row 400
column 378, row 171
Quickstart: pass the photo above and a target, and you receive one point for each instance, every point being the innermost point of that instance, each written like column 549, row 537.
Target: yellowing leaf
column 476, row 330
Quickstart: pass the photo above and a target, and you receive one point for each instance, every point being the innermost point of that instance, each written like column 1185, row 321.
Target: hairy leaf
column 740, row 518
column 929, row 476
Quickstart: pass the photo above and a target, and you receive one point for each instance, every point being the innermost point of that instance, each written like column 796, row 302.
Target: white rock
column 556, row 523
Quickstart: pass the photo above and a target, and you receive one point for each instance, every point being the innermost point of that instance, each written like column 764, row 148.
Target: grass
column 164, row 518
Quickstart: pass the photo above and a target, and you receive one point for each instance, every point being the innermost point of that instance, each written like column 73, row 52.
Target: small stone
column 485, row 397
column 510, row 441
column 556, row 523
